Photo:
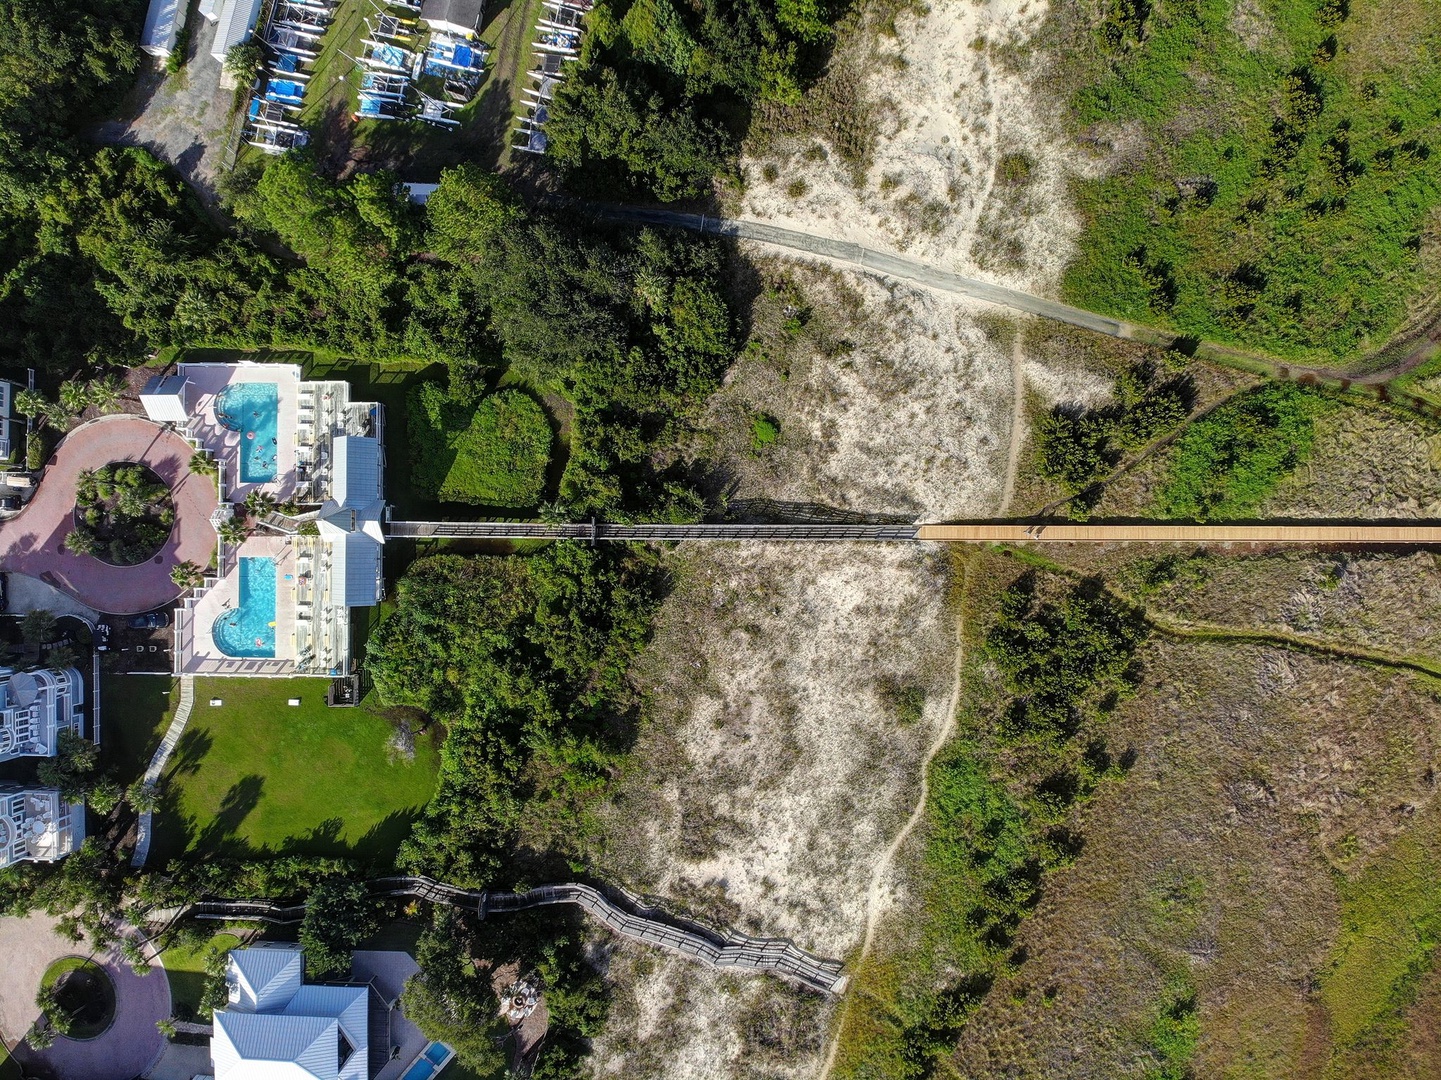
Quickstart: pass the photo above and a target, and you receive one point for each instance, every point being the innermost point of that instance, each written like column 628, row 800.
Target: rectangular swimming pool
column 253, row 409
column 248, row 629
column 429, row 1062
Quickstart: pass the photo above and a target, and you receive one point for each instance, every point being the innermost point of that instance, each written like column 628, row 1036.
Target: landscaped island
column 123, row 514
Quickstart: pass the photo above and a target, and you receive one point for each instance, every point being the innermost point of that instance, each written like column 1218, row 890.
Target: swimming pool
column 431, row 1061
column 253, row 409
column 248, row 629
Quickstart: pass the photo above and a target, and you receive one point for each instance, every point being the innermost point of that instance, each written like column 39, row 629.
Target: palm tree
column 81, row 541
column 203, row 464
column 259, row 502
column 73, row 397
column 104, row 393
column 233, row 532
column 32, row 403
column 187, row 575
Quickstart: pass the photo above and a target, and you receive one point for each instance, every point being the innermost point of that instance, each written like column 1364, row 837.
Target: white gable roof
column 263, row 978
column 306, row 1033
column 269, row 1046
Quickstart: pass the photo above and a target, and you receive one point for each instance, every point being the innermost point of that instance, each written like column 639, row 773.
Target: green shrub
column 491, row 454
column 1227, row 464
column 765, row 430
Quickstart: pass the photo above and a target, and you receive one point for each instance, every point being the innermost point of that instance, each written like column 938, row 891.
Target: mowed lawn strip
column 256, row 774
column 135, row 711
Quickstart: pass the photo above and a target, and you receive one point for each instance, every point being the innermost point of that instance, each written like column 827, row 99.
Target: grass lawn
column 135, row 710
column 257, row 775
column 185, row 969
column 9, row 1070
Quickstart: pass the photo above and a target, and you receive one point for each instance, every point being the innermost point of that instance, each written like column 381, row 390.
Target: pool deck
column 204, row 656
column 207, row 382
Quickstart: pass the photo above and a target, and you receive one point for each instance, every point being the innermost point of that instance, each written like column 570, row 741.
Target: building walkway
column 620, row 911
column 33, row 541
column 157, row 764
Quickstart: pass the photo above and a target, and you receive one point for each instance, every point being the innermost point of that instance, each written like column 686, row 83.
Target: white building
column 35, row 706
column 37, row 826
column 275, row 1027
column 163, row 23
column 280, row 602
column 234, row 22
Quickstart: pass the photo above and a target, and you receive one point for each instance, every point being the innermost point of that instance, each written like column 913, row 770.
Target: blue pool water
column 429, row 1063
column 253, row 409
column 437, row 1052
column 248, row 629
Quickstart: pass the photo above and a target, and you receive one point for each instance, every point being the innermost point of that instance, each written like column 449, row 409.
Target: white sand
column 912, row 422
column 952, row 113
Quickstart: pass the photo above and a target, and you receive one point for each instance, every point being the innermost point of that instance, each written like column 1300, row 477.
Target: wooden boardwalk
column 1352, row 534
column 1359, row 534
column 618, row 910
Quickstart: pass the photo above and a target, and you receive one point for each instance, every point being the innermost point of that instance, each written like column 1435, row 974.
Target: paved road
column 33, row 541
column 28, row 946
column 877, row 262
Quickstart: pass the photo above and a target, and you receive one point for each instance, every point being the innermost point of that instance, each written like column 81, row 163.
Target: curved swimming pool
column 248, row 629
column 253, row 409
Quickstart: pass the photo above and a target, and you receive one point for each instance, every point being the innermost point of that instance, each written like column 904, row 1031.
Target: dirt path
column 1018, row 425
column 875, row 890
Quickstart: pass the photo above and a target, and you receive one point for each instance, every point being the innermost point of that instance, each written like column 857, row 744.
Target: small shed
column 236, row 20
column 459, row 17
column 163, row 23
column 166, row 399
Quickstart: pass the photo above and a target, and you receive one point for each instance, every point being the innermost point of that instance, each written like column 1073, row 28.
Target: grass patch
column 765, row 430
column 1286, row 195
column 494, row 453
column 1390, row 924
column 185, row 968
column 256, row 775
column 135, row 711
column 1227, row 463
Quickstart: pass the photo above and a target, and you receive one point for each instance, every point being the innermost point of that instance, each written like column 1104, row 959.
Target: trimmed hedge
column 491, row 454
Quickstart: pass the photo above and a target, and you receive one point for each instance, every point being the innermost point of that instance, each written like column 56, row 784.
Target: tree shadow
column 189, row 752
column 221, row 833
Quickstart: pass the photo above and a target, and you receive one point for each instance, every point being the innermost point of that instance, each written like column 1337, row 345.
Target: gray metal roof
column 462, row 13
column 357, row 481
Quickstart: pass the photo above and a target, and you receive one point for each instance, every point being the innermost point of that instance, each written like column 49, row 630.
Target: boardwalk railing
column 621, row 913
column 1349, row 534
column 521, row 530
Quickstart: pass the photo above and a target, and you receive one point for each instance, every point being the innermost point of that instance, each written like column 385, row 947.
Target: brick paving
column 33, row 542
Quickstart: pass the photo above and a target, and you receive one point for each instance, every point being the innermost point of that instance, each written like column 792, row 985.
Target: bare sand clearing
column 777, row 762
column 911, row 418
column 951, row 114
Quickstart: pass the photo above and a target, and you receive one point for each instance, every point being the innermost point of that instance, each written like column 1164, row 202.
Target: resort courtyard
column 300, row 473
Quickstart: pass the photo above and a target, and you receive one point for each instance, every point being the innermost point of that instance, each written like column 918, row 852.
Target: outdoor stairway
column 158, row 761
column 622, row 913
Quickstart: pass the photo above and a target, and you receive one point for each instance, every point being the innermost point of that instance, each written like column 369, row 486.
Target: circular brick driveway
column 33, row 541
column 126, row 1049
